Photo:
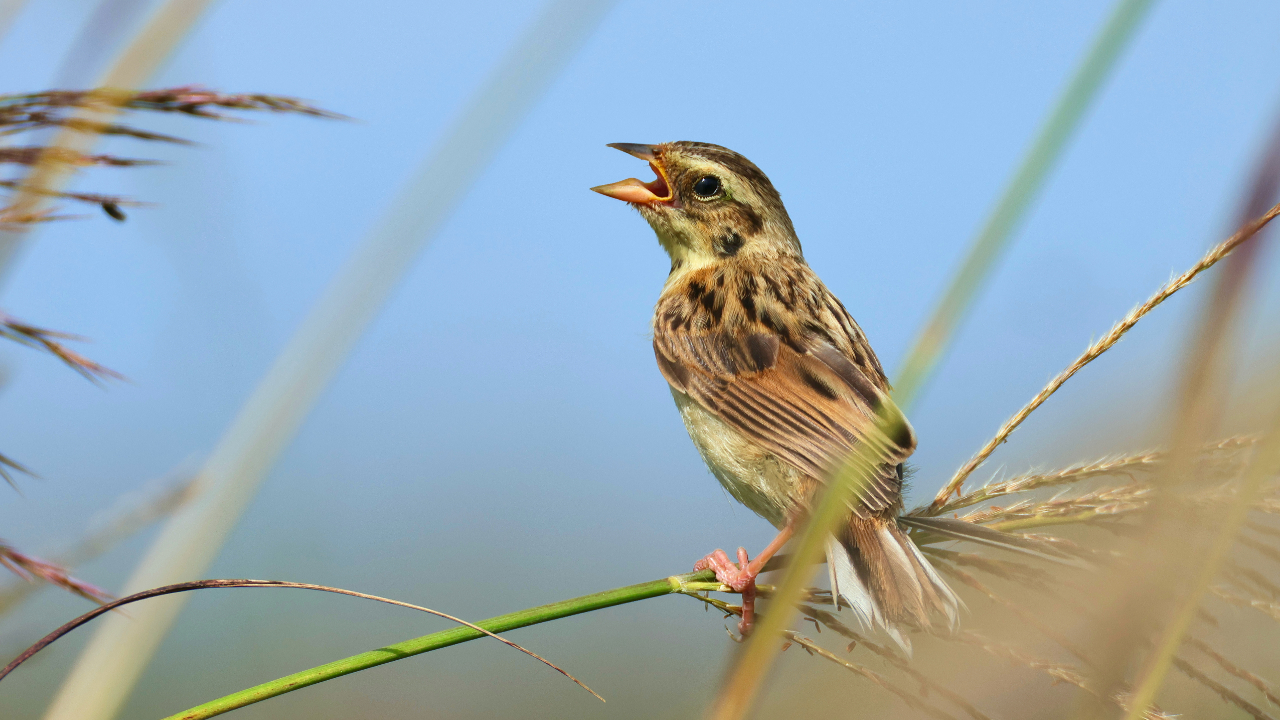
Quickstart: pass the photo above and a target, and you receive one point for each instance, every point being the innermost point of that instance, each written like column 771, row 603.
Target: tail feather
column 882, row 575
column 955, row 529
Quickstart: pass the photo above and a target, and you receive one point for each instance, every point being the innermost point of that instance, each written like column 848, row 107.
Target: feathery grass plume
column 1131, row 466
column 125, row 518
column 1036, row 602
column 822, row 618
column 1215, row 254
column 1267, row 689
column 50, row 341
column 8, row 466
column 30, row 155
column 1222, row 466
column 188, row 99
column 1184, row 544
column 65, row 109
column 912, row 701
column 58, row 108
column 105, row 672
column 25, row 113
column 1098, row 504
column 1092, row 511
column 33, row 569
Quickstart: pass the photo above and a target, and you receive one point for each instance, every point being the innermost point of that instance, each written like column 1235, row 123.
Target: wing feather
column 797, row 394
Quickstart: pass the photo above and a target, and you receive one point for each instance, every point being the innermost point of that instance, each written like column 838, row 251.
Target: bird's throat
column 684, row 259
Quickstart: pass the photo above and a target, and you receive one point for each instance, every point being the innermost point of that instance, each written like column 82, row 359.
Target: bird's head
column 707, row 204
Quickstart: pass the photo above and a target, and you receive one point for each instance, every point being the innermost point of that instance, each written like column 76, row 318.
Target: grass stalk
column 1022, row 190
column 861, row 670
column 104, row 675
column 1215, row 254
column 9, row 11
column 743, row 683
column 1263, row 467
column 753, row 663
column 443, row 639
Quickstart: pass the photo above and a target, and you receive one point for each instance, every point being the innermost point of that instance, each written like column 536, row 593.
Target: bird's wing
column 801, row 399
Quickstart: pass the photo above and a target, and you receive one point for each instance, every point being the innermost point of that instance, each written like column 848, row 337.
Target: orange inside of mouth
column 659, row 186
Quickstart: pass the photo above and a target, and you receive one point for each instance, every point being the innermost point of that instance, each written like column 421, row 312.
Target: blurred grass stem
column 1200, row 401
column 1264, row 466
column 1012, row 207
column 9, row 11
column 106, row 672
column 129, row 516
column 752, row 665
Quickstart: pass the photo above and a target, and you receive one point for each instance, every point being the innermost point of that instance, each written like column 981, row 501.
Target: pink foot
column 740, row 577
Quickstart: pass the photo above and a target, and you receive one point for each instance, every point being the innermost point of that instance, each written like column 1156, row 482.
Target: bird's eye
column 706, row 186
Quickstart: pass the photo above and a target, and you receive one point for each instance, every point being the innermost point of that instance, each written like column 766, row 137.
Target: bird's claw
column 740, row 578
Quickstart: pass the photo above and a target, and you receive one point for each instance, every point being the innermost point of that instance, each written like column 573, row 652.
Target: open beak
column 634, row 191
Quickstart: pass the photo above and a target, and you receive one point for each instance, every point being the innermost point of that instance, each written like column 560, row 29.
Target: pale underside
column 754, row 476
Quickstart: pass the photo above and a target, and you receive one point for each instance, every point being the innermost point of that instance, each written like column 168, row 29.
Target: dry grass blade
column 126, row 518
column 32, row 569
column 1124, row 465
column 8, row 467
column 1106, row 467
column 1266, row 607
column 188, row 99
column 1250, row 580
column 1264, row 465
column 1217, row 253
column 32, row 154
column 1030, row 618
column 48, row 340
column 1267, row 690
column 1224, row 692
column 893, row 658
column 245, row 583
column 1057, row 672
column 106, row 671
column 880, row 680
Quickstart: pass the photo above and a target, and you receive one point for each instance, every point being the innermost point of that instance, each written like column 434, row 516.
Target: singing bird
column 776, row 383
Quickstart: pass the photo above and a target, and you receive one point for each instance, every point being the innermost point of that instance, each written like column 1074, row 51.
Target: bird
column 776, row 383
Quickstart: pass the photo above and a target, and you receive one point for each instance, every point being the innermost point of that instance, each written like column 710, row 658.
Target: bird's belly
column 754, row 476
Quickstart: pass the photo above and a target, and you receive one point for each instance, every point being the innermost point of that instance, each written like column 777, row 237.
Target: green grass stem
column 445, row 638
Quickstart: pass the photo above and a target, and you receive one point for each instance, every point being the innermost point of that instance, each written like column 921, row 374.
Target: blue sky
column 501, row 436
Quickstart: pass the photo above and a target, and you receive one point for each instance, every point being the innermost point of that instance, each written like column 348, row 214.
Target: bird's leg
column 742, row 577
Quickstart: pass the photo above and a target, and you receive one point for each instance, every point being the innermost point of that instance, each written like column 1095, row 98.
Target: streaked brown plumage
column 775, row 381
